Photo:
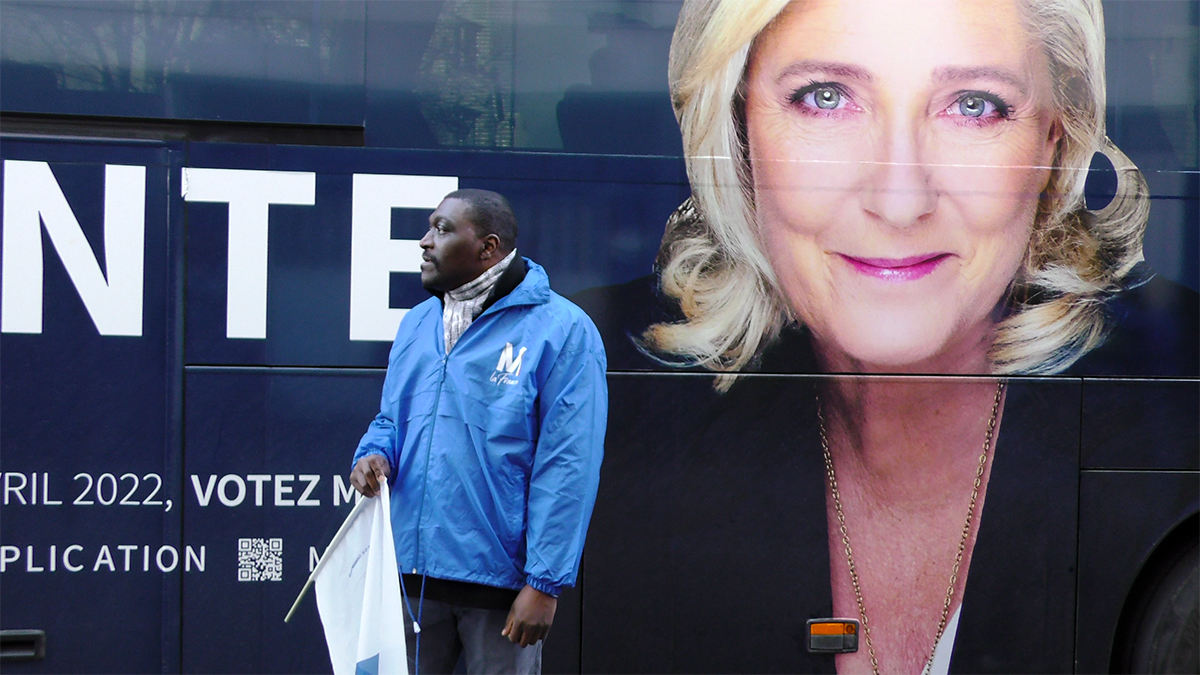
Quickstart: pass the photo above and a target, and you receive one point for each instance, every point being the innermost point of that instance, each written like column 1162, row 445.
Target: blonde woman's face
column 898, row 149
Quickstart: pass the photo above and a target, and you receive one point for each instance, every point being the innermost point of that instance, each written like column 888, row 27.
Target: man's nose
column 427, row 239
column 898, row 187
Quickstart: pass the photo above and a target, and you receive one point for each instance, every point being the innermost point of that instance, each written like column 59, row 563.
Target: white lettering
column 151, row 501
column 258, row 479
column 33, row 198
column 29, row 566
column 112, row 493
column 507, row 364
column 312, row 481
column 281, row 489
column 33, row 489
column 241, row 490
column 67, row 557
column 174, row 558
column 374, row 255
column 342, row 492
column 46, row 492
column 8, row 554
column 8, row 487
column 83, row 493
column 249, row 195
column 127, row 548
column 313, row 558
column 190, row 556
column 104, row 557
column 167, row 558
column 203, row 495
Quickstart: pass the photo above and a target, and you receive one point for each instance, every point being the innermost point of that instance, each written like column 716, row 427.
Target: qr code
column 260, row 559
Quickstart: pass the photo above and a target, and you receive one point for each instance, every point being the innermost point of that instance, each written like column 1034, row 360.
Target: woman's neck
column 907, row 441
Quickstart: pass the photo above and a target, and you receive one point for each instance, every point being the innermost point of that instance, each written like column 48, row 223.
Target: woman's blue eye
column 826, row 98
column 977, row 106
column 974, row 106
column 821, row 96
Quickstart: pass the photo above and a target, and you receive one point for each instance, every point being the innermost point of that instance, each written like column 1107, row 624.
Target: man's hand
column 369, row 473
column 530, row 617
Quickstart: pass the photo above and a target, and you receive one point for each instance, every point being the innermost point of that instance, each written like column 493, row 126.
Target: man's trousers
column 448, row 631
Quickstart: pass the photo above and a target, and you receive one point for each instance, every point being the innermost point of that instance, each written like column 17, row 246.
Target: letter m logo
column 507, row 363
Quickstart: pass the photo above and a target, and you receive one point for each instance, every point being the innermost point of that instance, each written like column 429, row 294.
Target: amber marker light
column 832, row 636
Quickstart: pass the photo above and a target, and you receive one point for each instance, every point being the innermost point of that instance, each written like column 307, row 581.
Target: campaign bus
column 787, row 221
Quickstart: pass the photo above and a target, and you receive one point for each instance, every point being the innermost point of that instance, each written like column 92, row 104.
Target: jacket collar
column 523, row 283
column 507, row 283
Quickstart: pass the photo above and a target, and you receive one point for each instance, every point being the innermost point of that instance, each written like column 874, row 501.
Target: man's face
column 453, row 252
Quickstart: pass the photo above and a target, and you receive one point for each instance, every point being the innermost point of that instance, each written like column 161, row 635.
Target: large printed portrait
column 887, row 283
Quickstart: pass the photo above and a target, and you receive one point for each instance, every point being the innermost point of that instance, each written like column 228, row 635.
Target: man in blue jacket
column 491, row 429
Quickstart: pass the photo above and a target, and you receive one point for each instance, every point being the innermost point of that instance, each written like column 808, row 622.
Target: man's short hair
column 490, row 213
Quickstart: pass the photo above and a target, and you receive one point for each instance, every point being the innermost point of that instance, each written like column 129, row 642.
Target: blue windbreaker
column 495, row 449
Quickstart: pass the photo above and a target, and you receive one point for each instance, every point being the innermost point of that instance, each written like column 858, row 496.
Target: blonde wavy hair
column 712, row 262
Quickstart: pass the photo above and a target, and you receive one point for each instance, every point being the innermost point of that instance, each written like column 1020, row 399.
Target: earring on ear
column 1125, row 216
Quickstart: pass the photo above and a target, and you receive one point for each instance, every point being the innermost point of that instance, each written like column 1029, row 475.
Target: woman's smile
column 910, row 268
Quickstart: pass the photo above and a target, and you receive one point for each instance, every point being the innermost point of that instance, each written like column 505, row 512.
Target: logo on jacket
column 508, row 368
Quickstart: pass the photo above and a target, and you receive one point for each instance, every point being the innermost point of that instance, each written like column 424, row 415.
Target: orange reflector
column 832, row 636
column 833, row 628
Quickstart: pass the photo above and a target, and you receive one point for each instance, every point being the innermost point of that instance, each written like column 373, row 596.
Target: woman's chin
column 877, row 350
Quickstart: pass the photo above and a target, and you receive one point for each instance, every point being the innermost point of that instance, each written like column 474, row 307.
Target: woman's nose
column 899, row 189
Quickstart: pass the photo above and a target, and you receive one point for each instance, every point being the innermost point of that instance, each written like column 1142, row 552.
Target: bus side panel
column 1123, row 515
column 90, row 510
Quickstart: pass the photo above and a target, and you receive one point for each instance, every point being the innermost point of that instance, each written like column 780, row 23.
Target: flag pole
column 337, row 539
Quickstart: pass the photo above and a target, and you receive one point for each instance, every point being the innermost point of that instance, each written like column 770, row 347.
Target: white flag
column 358, row 594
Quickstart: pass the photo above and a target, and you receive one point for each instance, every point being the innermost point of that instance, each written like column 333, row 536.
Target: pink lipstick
column 897, row 269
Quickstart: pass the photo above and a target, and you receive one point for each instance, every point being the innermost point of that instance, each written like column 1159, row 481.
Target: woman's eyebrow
column 959, row 73
column 839, row 70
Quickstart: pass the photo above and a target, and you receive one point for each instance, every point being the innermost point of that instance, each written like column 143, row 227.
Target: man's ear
column 491, row 244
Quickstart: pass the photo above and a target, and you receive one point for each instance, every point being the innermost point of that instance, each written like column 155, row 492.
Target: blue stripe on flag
column 367, row 666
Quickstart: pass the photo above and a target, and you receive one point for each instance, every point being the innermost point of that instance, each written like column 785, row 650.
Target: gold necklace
column 962, row 543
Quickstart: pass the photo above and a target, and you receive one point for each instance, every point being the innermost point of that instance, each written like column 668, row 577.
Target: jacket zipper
column 432, row 427
column 428, row 454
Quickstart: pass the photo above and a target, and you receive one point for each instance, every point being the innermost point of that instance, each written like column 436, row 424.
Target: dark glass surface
column 292, row 61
